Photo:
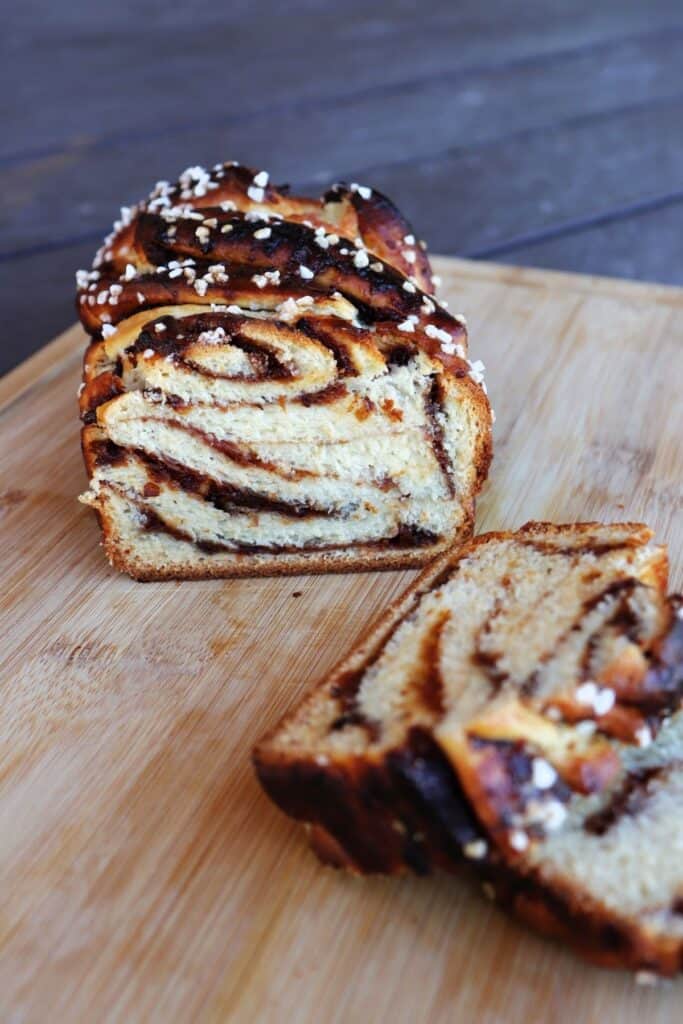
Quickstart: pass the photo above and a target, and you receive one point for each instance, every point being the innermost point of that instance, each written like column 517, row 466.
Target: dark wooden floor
column 544, row 132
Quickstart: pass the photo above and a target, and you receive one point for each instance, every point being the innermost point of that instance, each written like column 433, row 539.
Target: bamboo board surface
column 143, row 874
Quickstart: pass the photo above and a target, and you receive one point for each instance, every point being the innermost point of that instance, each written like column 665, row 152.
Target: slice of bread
column 514, row 699
column 272, row 387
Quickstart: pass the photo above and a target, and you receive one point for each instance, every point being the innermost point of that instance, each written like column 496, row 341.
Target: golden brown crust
column 337, row 267
column 350, row 210
column 401, row 812
column 592, row 930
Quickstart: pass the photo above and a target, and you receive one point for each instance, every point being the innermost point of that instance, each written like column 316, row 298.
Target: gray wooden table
column 543, row 132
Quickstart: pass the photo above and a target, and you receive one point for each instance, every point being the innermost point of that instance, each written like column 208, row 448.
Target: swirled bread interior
column 271, row 385
column 519, row 708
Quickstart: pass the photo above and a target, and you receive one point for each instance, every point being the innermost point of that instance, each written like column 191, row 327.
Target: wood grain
column 144, row 875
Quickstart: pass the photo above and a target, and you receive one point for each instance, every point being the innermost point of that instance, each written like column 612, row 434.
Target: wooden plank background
column 537, row 132
column 144, row 876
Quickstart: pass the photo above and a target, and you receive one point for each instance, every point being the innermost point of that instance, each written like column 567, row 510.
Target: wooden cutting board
column 143, row 874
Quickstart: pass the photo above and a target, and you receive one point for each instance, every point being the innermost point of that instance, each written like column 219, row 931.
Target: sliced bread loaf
column 271, row 386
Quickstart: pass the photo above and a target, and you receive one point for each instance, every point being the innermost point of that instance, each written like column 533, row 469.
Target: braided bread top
column 229, row 241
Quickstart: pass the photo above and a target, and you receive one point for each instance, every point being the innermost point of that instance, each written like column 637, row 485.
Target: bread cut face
column 518, row 708
column 272, row 387
column 610, row 880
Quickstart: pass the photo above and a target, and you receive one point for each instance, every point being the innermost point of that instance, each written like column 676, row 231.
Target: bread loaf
column 272, row 387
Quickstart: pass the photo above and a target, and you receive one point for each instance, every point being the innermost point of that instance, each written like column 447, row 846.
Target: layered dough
column 280, row 428
column 520, row 708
